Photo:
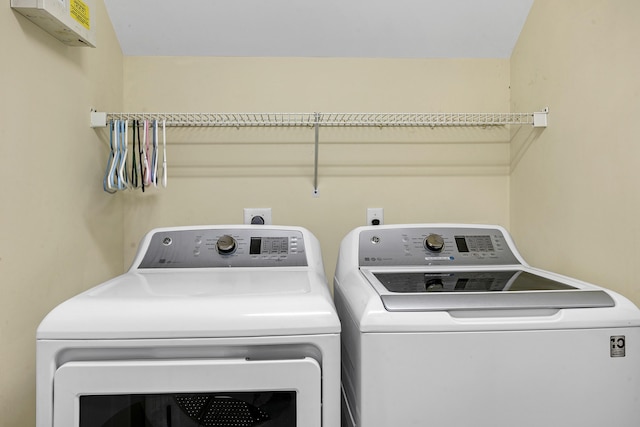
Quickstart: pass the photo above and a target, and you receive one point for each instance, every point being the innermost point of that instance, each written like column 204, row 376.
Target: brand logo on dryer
column 618, row 343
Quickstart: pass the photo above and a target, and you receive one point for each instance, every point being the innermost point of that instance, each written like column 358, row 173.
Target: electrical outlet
column 261, row 216
column 375, row 216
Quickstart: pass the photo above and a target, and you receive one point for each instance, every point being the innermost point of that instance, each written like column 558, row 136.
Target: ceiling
column 321, row 28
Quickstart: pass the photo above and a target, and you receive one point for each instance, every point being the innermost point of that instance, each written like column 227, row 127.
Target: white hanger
column 107, row 180
column 145, row 142
column 154, row 159
column 112, row 178
column 164, row 153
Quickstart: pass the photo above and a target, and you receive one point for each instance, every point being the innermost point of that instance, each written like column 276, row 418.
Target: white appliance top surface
column 197, row 304
column 207, row 282
column 466, row 277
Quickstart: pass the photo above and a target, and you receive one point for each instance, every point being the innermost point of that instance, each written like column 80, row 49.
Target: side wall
column 59, row 234
column 415, row 174
column 575, row 202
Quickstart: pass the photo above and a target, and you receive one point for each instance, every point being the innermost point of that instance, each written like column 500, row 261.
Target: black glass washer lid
column 480, row 290
column 468, row 281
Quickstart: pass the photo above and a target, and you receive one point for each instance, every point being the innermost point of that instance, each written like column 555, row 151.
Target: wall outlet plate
column 260, row 216
column 375, row 216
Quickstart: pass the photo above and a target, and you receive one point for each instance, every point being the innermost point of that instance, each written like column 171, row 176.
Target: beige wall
column 575, row 204
column 415, row 174
column 59, row 234
column 569, row 189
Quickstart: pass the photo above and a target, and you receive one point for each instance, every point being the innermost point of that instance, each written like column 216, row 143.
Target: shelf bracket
column 98, row 119
column 540, row 119
column 315, row 162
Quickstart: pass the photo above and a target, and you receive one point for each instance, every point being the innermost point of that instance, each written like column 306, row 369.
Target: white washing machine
column 227, row 326
column 446, row 325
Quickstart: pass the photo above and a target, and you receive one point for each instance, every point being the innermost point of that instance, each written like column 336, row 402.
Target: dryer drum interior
column 247, row 409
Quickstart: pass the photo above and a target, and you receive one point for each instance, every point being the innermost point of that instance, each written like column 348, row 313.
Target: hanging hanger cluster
column 138, row 168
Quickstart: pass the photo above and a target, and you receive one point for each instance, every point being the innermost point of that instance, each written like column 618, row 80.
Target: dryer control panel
column 425, row 246
column 206, row 248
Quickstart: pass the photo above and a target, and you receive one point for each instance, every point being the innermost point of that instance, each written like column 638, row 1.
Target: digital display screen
column 461, row 242
column 269, row 245
column 474, row 243
column 256, row 246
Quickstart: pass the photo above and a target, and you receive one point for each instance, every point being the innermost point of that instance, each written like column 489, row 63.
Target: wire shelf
column 222, row 119
column 424, row 119
column 324, row 119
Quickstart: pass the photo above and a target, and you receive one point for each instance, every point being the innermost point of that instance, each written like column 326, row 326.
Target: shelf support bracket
column 98, row 119
column 540, row 119
column 315, row 161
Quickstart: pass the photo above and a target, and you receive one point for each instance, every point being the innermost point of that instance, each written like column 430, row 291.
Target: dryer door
column 188, row 393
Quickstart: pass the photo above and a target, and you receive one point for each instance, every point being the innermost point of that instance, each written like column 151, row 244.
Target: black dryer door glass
column 247, row 409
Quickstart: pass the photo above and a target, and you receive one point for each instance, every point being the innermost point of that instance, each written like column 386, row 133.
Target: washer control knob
column 434, row 243
column 434, row 285
column 226, row 245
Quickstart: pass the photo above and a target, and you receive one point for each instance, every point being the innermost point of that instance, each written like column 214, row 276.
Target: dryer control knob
column 226, row 245
column 434, row 243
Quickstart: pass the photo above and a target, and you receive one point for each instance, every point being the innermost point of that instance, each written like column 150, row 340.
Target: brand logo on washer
column 617, row 346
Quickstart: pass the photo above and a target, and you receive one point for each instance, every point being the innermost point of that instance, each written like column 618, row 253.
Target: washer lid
column 479, row 290
column 198, row 303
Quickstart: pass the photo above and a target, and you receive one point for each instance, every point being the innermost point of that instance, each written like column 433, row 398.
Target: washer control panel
column 206, row 248
column 420, row 246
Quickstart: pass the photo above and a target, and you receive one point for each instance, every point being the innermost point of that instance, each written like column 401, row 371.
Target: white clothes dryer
column 446, row 325
column 228, row 326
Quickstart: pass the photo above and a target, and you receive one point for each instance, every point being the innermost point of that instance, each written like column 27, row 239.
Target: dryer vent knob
column 226, row 245
column 434, row 243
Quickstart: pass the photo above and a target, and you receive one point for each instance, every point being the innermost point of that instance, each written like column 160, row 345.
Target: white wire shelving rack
column 317, row 120
column 539, row 119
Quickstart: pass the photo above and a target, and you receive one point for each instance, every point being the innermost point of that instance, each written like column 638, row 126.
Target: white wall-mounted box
column 70, row 21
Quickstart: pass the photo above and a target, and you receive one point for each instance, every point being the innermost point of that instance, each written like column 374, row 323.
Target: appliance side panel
column 501, row 379
column 350, row 338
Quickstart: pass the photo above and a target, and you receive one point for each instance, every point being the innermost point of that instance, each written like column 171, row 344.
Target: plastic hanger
column 141, row 155
column 112, row 178
column 134, row 166
column 164, row 153
column 154, row 155
column 105, row 181
column 147, row 172
column 122, row 147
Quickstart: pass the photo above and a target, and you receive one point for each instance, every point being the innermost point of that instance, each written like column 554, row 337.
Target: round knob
column 434, row 285
column 434, row 242
column 226, row 245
